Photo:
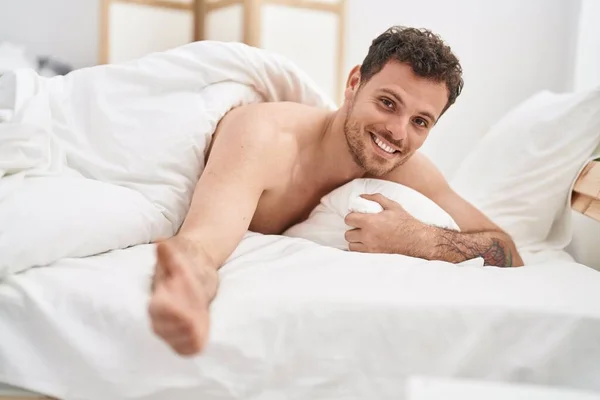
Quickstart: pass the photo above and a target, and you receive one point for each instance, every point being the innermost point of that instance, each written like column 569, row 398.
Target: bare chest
column 285, row 205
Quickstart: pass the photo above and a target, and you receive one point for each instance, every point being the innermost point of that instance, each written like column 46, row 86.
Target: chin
column 379, row 169
column 375, row 173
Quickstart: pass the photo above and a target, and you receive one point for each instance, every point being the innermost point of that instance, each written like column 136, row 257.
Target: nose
column 398, row 127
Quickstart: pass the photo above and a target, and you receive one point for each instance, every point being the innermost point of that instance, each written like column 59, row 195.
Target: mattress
column 419, row 388
column 297, row 320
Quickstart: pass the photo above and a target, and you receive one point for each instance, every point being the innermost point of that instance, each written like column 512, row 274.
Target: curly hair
column 424, row 51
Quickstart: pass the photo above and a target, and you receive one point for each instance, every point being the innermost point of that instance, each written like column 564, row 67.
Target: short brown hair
column 424, row 51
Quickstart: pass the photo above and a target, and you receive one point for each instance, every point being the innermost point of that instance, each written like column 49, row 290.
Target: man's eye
column 387, row 103
column 421, row 122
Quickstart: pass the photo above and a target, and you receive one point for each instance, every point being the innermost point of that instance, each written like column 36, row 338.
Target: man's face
column 390, row 116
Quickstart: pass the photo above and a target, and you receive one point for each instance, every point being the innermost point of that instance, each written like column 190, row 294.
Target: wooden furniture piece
column 309, row 32
column 13, row 393
column 586, row 191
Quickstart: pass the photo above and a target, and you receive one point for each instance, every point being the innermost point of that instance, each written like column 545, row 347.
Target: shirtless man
column 269, row 165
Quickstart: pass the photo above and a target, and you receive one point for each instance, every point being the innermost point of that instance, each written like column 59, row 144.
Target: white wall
column 586, row 76
column 508, row 49
column 66, row 29
column 133, row 30
column 587, row 57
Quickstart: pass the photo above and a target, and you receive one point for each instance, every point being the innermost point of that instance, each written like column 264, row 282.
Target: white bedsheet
column 296, row 320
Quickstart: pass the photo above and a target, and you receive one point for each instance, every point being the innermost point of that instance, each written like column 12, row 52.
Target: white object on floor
column 297, row 320
column 429, row 388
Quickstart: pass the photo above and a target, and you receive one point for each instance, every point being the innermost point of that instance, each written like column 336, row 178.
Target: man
column 269, row 164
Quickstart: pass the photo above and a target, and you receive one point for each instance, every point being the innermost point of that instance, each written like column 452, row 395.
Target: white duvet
column 108, row 157
column 296, row 320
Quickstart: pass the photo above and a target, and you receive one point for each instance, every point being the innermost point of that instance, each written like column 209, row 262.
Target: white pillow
column 326, row 226
column 48, row 218
column 521, row 173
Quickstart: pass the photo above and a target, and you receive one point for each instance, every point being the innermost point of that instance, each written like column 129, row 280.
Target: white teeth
column 383, row 146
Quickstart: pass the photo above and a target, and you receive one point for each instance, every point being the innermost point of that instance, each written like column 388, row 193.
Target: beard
column 360, row 149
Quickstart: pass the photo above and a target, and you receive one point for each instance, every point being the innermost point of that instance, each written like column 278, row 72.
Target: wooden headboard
column 586, row 191
column 130, row 29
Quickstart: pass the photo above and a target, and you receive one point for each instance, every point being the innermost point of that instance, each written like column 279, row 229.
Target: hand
column 391, row 231
column 184, row 283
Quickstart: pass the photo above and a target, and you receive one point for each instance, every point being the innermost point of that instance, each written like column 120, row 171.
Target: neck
column 334, row 155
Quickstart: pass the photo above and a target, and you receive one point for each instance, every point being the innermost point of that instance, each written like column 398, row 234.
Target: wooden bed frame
column 251, row 21
column 22, row 395
column 586, row 191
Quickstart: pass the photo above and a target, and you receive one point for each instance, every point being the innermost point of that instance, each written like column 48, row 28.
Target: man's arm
column 495, row 248
column 242, row 162
column 479, row 236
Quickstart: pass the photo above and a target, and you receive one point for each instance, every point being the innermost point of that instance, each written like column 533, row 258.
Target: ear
column 352, row 83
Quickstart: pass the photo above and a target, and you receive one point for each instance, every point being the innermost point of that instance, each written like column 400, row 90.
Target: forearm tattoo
column 463, row 247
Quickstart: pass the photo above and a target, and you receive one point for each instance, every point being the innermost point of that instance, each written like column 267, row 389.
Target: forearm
column 495, row 247
column 218, row 217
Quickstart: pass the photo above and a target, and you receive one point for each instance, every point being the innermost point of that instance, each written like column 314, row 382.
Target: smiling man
column 269, row 165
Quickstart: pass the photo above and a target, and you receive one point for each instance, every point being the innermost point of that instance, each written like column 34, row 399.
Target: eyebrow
column 399, row 100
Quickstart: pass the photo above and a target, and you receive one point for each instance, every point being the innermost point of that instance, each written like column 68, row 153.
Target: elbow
column 513, row 258
column 517, row 261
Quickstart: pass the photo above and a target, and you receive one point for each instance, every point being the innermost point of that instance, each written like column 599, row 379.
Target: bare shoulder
column 421, row 174
column 258, row 133
column 253, row 124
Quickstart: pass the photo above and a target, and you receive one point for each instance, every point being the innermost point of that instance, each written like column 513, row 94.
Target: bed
column 298, row 320
column 294, row 318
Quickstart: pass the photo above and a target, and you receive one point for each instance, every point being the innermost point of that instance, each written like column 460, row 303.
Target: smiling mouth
column 382, row 145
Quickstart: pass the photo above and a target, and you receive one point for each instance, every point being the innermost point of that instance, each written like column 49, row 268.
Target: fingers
column 185, row 331
column 166, row 259
column 170, row 328
column 353, row 235
column 174, row 330
column 170, row 264
column 189, row 346
column 162, row 279
column 355, row 219
column 179, row 302
column 360, row 247
column 184, row 338
column 157, row 278
column 386, row 203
